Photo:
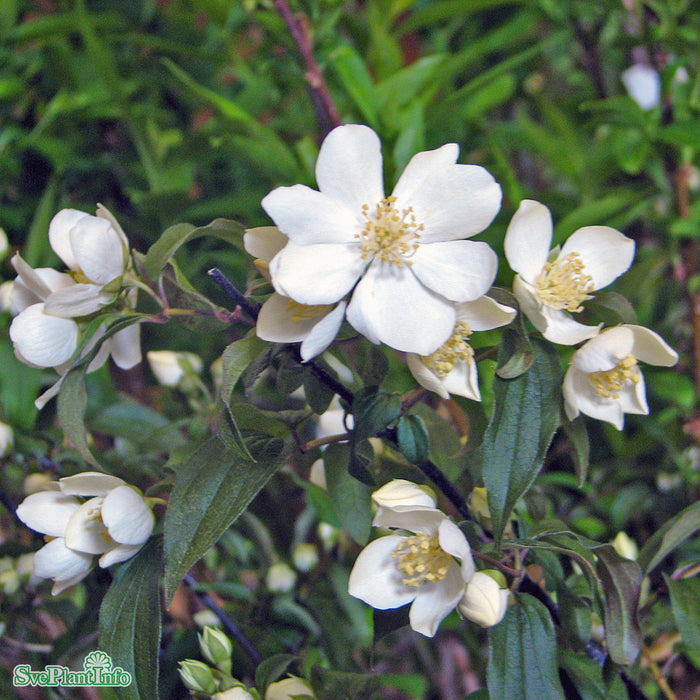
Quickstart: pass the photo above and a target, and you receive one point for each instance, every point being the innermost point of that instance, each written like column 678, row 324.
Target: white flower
column 550, row 285
column 604, row 381
column 401, row 492
column 451, row 369
column 170, row 367
column 643, row 85
column 484, row 601
column 280, row 578
column 283, row 320
column 288, row 688
column 7, row 438
column 420, row 569
column 114, row 523
column 401, row 256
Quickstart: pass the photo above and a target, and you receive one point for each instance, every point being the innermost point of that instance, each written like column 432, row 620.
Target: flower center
column 456, row 349
column 303, row 312
column 390, row 234
column 609, row 382
column 563, row 284
column 421, row 559
column 95, row 514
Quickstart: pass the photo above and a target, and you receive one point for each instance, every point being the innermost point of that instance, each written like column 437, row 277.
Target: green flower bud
column 197, row 676
column 216, row 647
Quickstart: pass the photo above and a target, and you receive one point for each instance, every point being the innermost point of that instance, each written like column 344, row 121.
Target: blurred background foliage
column 176, row 110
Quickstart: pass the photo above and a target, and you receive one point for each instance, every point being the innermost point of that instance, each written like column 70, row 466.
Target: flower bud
column 36, row 481
column 280, row 578
column 4, row 243
column 7, row 439
column 400, row 492
column 170, row 368
column 287, row 689
column 625, row 546
column 317, row 474
column 484, row 601
column 9, row 581
column 479, row 508
column 328, row 534
column 305, row 557
column 6, row 296
column 197, row 676
column 216, row 647
column 237, row 693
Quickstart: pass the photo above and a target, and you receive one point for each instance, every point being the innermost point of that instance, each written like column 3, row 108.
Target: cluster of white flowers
column 400, row 270
column 83, row 516
column 431, row 568
column 50, row 307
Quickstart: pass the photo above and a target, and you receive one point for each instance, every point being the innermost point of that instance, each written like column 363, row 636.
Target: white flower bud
column 280, row 578
column 484, row 601
column 4, row 243
column 625, row 546
column 305, row 556
column 400, row 492
column 287, row 689
column 37, row 481
column 7, row 439
column 197, row 676
column 643, row 85
column 170, row 367
column 5, row 296
column 216, row 647
column 236, row 693
column 317, row 474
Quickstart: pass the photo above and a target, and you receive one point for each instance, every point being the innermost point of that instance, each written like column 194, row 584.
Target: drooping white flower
column 420, row 568
column 288, row 688
column 643, row 84
column 484, row 601
column 604, row 380
column 283, row 320
column 451, row 369
column 114, row 522
column 551, row 285
column 402, row 257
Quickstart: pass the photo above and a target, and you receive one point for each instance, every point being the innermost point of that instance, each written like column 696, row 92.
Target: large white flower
column 401, row 256
column 551, row 285
column 604, row 381
column 283, row 320
column 115, row 521
column 420, row 568
column 451, row 369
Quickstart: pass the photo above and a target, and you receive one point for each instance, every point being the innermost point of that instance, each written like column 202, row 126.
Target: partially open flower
column 484, row 601
column 288, row 689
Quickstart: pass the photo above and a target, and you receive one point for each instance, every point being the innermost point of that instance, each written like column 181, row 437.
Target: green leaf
column 342, row 685
column 685, row 602
column 213, row 486
column 413, row 437
column 522, row 661
column 666, row 539
column 19, row 385
column 72, row 401
column 525, row 416
column 130, row 621
column 235, row 359
column 621, row 580
column 610, row 307
column 271, row 669
column 351, row 70
column 587, row 677
column 578, row 436
column 373, row 410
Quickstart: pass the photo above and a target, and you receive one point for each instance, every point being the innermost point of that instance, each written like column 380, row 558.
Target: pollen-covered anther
column 455, row 349
column 563, row 284
column 389, row 234
column 421, row 559
column 304, row 312
column 608, row 383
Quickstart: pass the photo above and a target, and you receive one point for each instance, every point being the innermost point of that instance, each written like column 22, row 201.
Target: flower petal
column 125, row 346
column 391, row 306
column 98, row 249
column 77, row 300
column 606, row 253
column 579, row 396
column 414, row 518
column 605, row 350
column 43, row 340
column 104, row 213
column 435, row 601
column 561, row 328
column 127, row 516
column 55, row 560
column 425, row 376
column 89, row 484
column 264, row 242
column 85, row 531
column 458, row 270
column 651, row 348
column 59, row 234
column 316, row 274
column 485, row 313
column 121, row 552
column 376, row 580
column 528, row 239
column 47, row 512
column 349, row 167
column 463, row 380
column 276, row 321
column 323, row 333
column 453, row 541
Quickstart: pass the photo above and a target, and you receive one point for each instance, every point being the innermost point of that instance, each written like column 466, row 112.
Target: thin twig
column 231, row 291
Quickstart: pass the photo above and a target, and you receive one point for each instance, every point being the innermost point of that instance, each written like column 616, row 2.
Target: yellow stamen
column 455, row 349
column 421, row 559
column 389, row 234
column 96, row 514
column 608, row 383
column 563, row 284
column 303, row 312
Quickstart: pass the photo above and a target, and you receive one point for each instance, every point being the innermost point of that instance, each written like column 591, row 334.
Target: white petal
column 530, row 303
column 47, row 512
column 376, row 580
column 528, row 239
column 349, row 167
column 264, row 242
column 606, row 253
column 45, row 341
column 463, row 380
column 414, row 518
column 128, row 518
column 458, row 270
column 570, row 388
column 55, row 560
column 310, row 217
column 435, row 601
column 59, row 234
column 98, row 249
column 485, row 313
column 63, row 584
column 421, row 169
column 316, row 274
column 651, row 348
column 633, row 396
column 90, row 484
column 104, row 213
column 323, row 333
column 77, row 300
column 425, row 376
column 605, row 350
column 32, row 286
column 276, row 322
column 121, row 552
column 125, row 346
column 401, row 492
column 580, row 395
column 85, row 531
column 453, row 541
column 48, row 394
column 561, row 328
column 390, row 305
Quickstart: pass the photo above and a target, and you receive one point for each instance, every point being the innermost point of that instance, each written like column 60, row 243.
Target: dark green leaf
column 611, row 308
column 318, row 394
column 575, row 616
column 271, row 669
column 523, row 654
column 352, row 71
column 587, row 677
column 685, row 602
column 525, row 416
column 388, row 621
column 341, row 685
column 72, row 401
column 130, row 621
column 235, row 360
column 373, row 410
column 413, row 437
column 578, row 436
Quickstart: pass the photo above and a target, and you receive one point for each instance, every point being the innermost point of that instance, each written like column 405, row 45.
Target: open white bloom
column 171, row 367
column 288, row 688
column 400, row 256
column 451, row 369
column 420, row 568
column 551, row 285
column 114, row 522
column 484, row 601
column 283, row 320
column 643, row 84
column 604, row 381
